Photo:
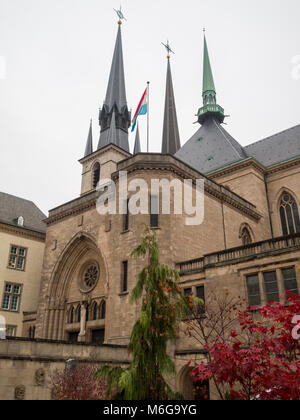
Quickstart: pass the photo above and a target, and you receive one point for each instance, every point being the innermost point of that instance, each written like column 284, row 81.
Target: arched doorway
column 78, row 281
column 198, row 391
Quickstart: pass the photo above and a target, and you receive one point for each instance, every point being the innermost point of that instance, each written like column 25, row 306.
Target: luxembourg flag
column 142, row 109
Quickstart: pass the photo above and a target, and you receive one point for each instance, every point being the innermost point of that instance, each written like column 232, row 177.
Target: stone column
column 262, row 288
column 82, row 333
column 281, row 288
column 61, row 325
column 56, row 324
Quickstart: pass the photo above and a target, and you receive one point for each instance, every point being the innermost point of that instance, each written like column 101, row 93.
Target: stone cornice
column 25, row 233
column 155, row 162
column 237, row 167
column 74, row 207
column 255, row 164
column 168, row 163
column 104, row 150
column 283, row 166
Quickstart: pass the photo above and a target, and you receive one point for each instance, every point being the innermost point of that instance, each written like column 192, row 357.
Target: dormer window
column 21, row 221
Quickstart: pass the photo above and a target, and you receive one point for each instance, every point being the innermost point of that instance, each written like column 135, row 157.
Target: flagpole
column 148, row 108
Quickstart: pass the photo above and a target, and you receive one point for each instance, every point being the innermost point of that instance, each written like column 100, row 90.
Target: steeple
column 210, row 107
column 171, row 139
column 115, row 103
column 137, row 144
column 89, row 143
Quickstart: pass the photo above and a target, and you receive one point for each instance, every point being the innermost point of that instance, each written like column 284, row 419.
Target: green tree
column 163, row 304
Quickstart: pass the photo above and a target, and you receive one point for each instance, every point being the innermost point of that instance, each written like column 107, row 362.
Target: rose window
column 89, row 277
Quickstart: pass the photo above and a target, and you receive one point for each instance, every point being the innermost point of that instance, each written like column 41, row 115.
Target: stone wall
column 26, row 365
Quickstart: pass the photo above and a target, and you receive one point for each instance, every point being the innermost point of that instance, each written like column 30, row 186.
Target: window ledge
column 125, row 231
column 123, row 294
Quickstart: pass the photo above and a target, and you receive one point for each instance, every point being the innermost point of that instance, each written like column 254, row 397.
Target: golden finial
column 167, row 47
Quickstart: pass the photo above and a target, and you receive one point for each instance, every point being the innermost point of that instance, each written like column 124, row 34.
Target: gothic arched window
column 96, row 174
column 246, row 237
column 289, row 215
column 95, row 311
column 71, row 317
column 87, row 313
column 103, row 310
column 78, row 313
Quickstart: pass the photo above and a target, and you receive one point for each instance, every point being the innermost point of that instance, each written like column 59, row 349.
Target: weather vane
column 168, row 48
column 120, row 14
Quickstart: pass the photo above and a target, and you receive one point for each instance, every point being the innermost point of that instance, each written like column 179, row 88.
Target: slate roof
column 211, row 148
column 277, row 148
column 12, row 207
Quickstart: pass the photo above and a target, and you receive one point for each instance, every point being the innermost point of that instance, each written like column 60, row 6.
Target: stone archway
column 192, row 391
column 79, row 274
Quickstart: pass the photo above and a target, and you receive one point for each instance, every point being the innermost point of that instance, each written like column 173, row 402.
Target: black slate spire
column 171, row 139
column 137, row 144
column 89, row 143
column 115, row 103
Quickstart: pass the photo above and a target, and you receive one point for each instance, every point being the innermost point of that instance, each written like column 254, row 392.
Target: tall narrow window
column 246, row 237
column 78, row 313
column 87, row 313
column 254, row 298
column 124, row 285
column 103, row 310
column 154, row 211
column 126, row 216
column 71, row 318
column 96, row 174
column 200, row 295
column 290, row 280
column 271, row 287
column 95, row 311
column 289, row 215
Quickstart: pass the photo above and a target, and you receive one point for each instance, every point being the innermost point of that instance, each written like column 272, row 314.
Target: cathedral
column 248, row 243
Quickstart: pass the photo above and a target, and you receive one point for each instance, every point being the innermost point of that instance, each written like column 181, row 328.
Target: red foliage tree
column 78, row 382
column 261, row 361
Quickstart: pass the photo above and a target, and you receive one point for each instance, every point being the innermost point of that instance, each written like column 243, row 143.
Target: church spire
column 137, row 144
column 115, row 102
column 171, row 139
column 210, row 107
column 89, row 143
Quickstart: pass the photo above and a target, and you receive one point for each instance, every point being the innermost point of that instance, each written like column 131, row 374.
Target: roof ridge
column 19, row 198
column 273, row 135
column 224, row 133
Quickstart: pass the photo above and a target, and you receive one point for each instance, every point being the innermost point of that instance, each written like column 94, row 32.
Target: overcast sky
column 55, row 58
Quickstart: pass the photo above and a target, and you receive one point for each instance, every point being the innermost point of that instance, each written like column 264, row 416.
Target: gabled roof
column 211, row 148
column 12, row 207
column 277, row 148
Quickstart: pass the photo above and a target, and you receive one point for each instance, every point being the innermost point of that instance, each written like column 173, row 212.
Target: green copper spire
column 208, row 79
column 210, row 107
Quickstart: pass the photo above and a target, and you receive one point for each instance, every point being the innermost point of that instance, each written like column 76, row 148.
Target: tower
column 114, row 109
column 210, row 107
column 171, row 139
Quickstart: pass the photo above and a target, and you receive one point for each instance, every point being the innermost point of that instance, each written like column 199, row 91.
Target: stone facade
column 71, row 302
column 27, row 278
